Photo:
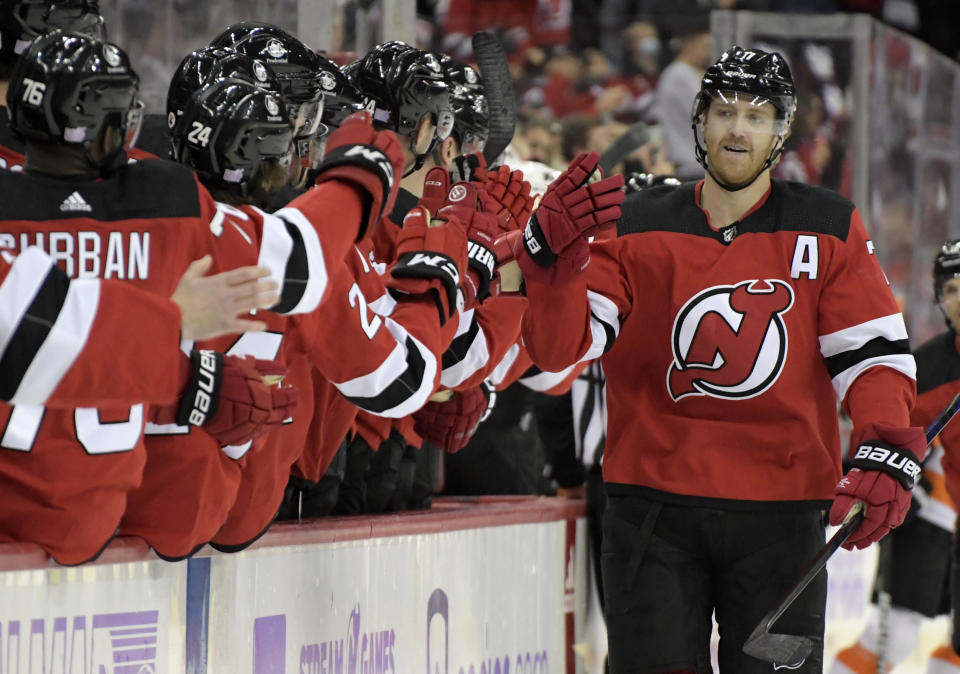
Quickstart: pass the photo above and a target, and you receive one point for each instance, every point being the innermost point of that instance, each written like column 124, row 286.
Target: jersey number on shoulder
column 370, row 326
column 95, row 436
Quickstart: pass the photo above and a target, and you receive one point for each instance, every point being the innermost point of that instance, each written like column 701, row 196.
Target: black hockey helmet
column 294, row 64
column 402, row 84
column 946, row 266
column 66, row 88
column 471, row 125
column 341, row 98
column 203, row 66
column 229, row 128
column 23, row 20
column 764, row 77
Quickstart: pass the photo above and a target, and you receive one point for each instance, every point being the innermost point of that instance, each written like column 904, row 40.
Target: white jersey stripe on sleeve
column 63, row 344
column 503, row 367
column 401, row 384
column 544, row 381
column 604, row 324
column 890, row 327
column 467, row 353
column 27, row 274
column 316, row 283
column 901, row 362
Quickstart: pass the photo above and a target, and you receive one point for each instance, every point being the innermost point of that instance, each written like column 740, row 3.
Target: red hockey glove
column 883, row 474
column 555, row 248
column 429, row 260
column 253, row 400
column 233, row 399
column 370, row 160
column 509, row 197
column 451, row 424
column 462, row 203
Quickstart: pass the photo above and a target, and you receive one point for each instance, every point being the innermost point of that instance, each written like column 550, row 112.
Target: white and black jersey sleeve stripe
column 502, row 369
column 467, row 352
column 536, row 379
column 850, row 352
column 604, row 325
column 45, row 320
column 401, row 384
column 292, row 251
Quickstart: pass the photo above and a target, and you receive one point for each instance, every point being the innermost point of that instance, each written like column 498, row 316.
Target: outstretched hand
column 211, row 306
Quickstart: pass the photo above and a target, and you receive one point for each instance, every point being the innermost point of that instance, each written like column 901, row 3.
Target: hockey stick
column 632, row 138
column 498, row 87
column 789, row 650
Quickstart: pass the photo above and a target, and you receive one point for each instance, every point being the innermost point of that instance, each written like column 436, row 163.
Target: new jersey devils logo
column 730, row 341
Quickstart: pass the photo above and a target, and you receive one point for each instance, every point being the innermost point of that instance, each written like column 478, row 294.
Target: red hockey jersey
column 64, row 474
column 84, row 342
column 216, row 495
column 725, row 350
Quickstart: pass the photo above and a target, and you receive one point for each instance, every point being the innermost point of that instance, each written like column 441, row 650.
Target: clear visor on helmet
column 748, row 113
column 473, row 142
column 305, row 117
column 445, row 123
column 134, row 121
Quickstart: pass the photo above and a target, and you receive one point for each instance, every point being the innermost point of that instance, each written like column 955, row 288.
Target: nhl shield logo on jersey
column 730, row 341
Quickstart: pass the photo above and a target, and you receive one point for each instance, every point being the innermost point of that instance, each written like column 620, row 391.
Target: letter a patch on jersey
column 730, row 341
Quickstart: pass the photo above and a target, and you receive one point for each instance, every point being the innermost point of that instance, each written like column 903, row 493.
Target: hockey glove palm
column 883, row 474
column 507, row 194
column 555, row 247
column 370, row 160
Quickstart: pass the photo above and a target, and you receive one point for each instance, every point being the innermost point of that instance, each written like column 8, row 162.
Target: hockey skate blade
column 784, row 651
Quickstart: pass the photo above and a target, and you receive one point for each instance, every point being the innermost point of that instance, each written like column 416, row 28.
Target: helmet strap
column 774, row 153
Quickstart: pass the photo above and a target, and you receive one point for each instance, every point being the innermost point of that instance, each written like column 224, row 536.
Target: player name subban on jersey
column 83, row 461
column 725, row 355
column 89, row 254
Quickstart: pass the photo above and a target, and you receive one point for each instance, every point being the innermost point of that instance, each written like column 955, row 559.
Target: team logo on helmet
column 327, row 81
column 432, row 63
column 259, row 71
column 272, row 106
column 730, row 341
column 275, row 49
column 111, row 55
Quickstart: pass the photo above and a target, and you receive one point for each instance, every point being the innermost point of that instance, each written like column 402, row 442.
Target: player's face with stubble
column 739, row 134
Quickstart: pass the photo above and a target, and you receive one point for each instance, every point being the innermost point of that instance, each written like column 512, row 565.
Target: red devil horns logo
column 730, row 341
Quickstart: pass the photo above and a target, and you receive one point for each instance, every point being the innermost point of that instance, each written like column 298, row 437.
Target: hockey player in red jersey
column 400, row 81
column 399, row 357
column 141, row 331
column 728, row 315
column 916, row 571
column 65, row 474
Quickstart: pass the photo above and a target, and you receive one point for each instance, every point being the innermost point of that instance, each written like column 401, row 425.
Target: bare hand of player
column 511, row 278
column 211, row 306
